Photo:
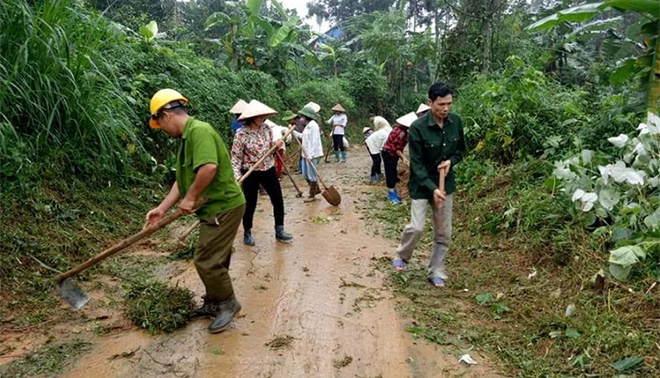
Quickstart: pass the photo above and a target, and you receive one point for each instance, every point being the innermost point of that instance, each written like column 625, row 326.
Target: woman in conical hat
column 392, row 150
column 422, row 109
column 338, row 122
column 312, row 148
column 251, row 142
column 237, row 109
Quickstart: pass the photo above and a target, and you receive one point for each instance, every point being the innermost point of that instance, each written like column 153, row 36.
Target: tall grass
column 59, row 101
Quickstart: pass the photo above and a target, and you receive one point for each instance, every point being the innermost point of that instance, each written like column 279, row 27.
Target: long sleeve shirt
column 397, row 140
column 338, row 123
column 430, row 145
column 250, row 146
column 376, row 140
column 311, row 140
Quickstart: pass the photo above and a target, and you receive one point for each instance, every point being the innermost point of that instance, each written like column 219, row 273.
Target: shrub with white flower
column 625, row 193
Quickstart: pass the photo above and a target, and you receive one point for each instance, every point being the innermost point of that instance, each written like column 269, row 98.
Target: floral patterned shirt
column 250, row 146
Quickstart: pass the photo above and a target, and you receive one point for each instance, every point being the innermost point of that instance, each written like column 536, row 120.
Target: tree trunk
column 654, row 80
column 486, row 23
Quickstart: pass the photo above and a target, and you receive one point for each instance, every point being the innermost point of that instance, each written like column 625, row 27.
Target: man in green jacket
column 203, row 172
column 436, row 142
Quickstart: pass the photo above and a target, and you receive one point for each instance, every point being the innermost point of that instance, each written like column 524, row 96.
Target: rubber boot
column 336, row 156
column 248, row 239
column 208, row 310
column 374, row 179
column 227, row 311
column 396, row 193
column 282, row 236
column 391, row 196
column 317, row 189
column 343, row 157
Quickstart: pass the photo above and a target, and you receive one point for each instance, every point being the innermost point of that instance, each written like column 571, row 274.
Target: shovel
column 329, row 193
column 441, row 180
column 272, row 150
column 75, row 296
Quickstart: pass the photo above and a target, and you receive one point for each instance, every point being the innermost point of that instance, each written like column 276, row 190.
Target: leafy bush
column 624, row 195
column 60, row 100
column 157, row 307
column 514, row 113
column 369, row 89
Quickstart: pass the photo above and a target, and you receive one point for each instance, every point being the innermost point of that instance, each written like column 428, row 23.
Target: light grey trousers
column 442, row 215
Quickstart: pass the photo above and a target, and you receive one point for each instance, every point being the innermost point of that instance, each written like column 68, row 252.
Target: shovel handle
column 441, row 181
column 120, row 246
column 286, row 170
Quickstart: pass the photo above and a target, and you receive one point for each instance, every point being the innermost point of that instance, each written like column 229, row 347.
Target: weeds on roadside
column 157, row 307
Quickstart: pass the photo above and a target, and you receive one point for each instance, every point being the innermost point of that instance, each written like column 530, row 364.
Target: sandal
column 398, row 264
column 437, row 282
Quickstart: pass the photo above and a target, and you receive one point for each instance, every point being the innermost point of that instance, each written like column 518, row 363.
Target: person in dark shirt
column 436, row 143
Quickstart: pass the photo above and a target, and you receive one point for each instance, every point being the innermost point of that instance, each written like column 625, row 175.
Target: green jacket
column 201, row 144
column 429, row 146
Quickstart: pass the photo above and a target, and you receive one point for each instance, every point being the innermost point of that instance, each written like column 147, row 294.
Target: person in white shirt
column 378, row 121
column 338, row 122
column 375, row 144
column 312, row 148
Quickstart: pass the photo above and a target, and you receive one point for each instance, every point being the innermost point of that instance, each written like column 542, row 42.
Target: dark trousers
column 268, row 180
column 338, row 142
column 375, row 166
column 391, row 172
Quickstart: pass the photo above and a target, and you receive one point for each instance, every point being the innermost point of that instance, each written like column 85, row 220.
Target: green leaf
column 579, row 13
column 280, row 8
column 255, row 6
column 624, row 71
column 653, row 220
column 149, row 31
column 265, row 25
column 551, row 183
column 627, row 363
column 651, row 7
column 217, row 19
column 627, row 256
column 281, row 34
column 572, row 334
column 608, row 198
column 484, row 298
column 619, row 272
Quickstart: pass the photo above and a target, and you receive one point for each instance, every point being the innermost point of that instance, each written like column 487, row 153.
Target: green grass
column 490, row 302
column 157, row 307
column 46, row 361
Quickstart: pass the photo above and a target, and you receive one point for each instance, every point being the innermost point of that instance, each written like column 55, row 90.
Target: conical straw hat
column 313, row 105
column 339, row 108
column 407, row 119
column 366, row 129
column 239, row 107
column 256, row 108
column 422, row 108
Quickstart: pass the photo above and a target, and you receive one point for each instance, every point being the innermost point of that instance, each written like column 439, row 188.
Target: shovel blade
column 332, row 196
column 72, row 294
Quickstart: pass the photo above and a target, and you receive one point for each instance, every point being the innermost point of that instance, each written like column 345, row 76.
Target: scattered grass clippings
column 46, row 360
column 157, row 307
column 280, row 342
column 338, row 364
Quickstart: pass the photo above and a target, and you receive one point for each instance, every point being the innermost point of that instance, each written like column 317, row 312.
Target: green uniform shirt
column 201, row 144
column 430, row 145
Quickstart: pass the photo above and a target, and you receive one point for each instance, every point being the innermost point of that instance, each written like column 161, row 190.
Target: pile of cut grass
column 157, row 307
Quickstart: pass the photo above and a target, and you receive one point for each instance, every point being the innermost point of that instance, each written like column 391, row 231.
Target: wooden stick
column 311, row 164
column 286, row 170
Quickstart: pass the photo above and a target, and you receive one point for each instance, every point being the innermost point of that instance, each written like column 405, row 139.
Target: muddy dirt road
column 318, row 301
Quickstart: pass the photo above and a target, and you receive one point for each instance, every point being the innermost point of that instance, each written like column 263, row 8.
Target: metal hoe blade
column 72, row 294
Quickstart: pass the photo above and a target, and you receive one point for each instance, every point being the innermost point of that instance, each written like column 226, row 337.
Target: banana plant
column 646, row 66
column 252, row 23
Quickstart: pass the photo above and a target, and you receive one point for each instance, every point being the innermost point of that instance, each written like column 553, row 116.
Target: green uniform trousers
column 213, row 253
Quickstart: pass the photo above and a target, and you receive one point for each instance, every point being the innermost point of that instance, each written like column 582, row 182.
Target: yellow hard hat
column 162, row 98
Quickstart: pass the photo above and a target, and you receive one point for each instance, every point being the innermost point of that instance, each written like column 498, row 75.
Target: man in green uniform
column 436, row 142
column 203, row 172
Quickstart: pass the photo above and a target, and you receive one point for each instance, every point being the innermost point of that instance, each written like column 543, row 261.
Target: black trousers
column 391, row 172
column 375, row 166
column 338, row 142
column 268, row 180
